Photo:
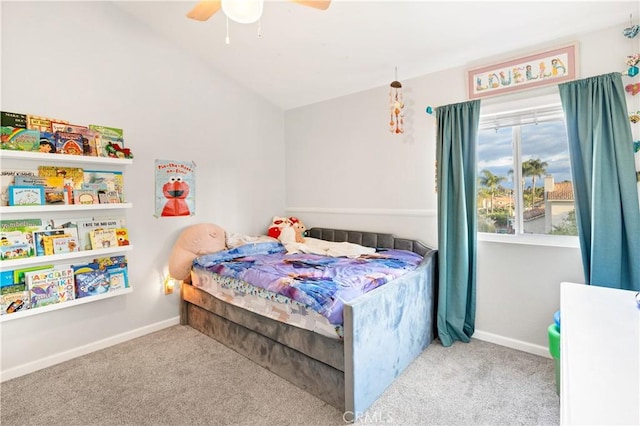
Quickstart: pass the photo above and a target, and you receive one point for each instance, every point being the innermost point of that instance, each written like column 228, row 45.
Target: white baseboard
column 512, row 343
column 30, row 367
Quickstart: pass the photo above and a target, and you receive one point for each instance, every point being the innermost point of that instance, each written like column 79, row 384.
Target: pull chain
column 227, row 40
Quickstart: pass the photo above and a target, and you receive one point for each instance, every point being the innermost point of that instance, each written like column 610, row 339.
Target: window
column 530, row 147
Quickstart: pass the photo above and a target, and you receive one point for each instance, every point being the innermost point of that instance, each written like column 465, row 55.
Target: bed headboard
column 369, row 239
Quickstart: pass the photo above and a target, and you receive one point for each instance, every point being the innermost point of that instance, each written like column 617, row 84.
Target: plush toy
column 194, row 241
column 116, row 151
column 276, row 226
column 298, row 228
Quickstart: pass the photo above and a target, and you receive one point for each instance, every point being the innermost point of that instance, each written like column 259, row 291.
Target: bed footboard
column 385, row 330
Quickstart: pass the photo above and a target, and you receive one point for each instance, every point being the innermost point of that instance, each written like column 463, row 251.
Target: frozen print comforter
column 322, row 283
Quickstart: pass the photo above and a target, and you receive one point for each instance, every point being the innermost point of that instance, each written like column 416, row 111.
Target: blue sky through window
column 546, row 141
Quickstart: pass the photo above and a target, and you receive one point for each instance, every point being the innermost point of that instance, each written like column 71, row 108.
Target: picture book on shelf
column 54, row 189
column 69, row 143
column 48, row 143
column 90, row 280
column 85, row 196
column 86, row 225
column 18, row 139
column 13, row 119
column 65, row 244
column 43, row 240
column 103, row 238
column 7, row 177
column 122, row 235
column 111, row 262
column 118, row 278
column 107, row 135
column 43, row 287
column 16, row 301
column 72, row 176
column 18, row 274
column 26, row 195
column 111, row 180
column 16, row 237
column 41, row 123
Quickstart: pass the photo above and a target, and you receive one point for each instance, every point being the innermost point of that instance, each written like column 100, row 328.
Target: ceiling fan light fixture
column 243, row 11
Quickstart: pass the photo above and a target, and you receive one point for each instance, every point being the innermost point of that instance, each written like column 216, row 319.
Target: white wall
column 88, row 62
column 344, row 169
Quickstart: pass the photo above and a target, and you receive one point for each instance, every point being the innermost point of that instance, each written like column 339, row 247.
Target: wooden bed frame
column 384, row 331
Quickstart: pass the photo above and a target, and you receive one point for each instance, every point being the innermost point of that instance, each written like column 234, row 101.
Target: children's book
column 118, row 278
column 19, row 139
column 7, row 178
column 72, row 176
column 26, row 195
column 69, row 143
column 18, row 274
column 111, row 262
column 90, row 280
column 42, row 239
column 64, row 244
column 48, row 143
column 122, row 235
column 107, row 135
column 43, row 287
column 16, row 237
column 103, row 238
column 14, row 301
column 89, row 136
column 61, row 223
column 112, row 180
column 64, row 276
column 54, row 189
column 41, row 123
column 85, row 196
column 13, row 119
column 85, row 226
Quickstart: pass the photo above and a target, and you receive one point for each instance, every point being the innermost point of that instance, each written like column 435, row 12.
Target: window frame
column 514, row 115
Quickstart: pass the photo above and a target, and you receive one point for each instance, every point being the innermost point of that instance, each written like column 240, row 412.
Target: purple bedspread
column 322, row 283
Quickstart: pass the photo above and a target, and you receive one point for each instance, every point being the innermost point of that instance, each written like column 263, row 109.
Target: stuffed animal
column 194, row 241
column 298, row 228
column 277, row 224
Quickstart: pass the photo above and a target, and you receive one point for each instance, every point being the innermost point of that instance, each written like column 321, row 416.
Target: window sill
column 532, row 240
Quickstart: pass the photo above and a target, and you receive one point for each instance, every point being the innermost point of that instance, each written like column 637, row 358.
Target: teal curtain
column 601, row 152
column 456, row 175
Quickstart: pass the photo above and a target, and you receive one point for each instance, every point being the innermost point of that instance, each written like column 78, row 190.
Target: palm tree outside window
column 528, row 147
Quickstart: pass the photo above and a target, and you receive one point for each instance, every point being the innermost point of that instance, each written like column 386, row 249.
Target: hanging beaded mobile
column 396, row 104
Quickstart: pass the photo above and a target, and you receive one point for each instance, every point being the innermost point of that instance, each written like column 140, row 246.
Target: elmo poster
column 175, row 188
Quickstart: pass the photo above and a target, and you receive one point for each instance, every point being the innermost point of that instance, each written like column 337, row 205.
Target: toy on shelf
column 116, row 151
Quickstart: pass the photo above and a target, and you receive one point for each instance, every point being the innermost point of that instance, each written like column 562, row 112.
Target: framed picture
column 26, row 195
column 539, row 69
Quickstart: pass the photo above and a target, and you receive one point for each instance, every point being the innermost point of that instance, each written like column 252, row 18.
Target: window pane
column 495, row 181
column 543, row 201
column 548, row 209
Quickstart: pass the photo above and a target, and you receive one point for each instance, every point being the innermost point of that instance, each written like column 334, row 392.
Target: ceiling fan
column 242, row 11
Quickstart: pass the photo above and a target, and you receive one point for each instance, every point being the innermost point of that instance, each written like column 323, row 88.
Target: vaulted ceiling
column 304, row 55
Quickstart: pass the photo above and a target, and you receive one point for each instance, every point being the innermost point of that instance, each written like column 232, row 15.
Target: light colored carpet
column 178, row 376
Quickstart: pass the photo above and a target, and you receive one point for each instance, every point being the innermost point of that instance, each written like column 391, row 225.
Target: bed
column 383, row 330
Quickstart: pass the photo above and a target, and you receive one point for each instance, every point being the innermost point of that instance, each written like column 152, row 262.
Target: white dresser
column 600, row 356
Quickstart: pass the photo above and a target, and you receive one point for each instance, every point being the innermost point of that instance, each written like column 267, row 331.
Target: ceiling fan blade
column 204, row 9
column 316, row 4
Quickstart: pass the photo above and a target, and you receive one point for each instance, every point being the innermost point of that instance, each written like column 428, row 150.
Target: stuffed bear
column 194, row 241
column 298, row 228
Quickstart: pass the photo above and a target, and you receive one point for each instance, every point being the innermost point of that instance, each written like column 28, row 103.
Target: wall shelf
column 63, row 207
column 64, row 305
column 62, row 158
column 41, row 260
